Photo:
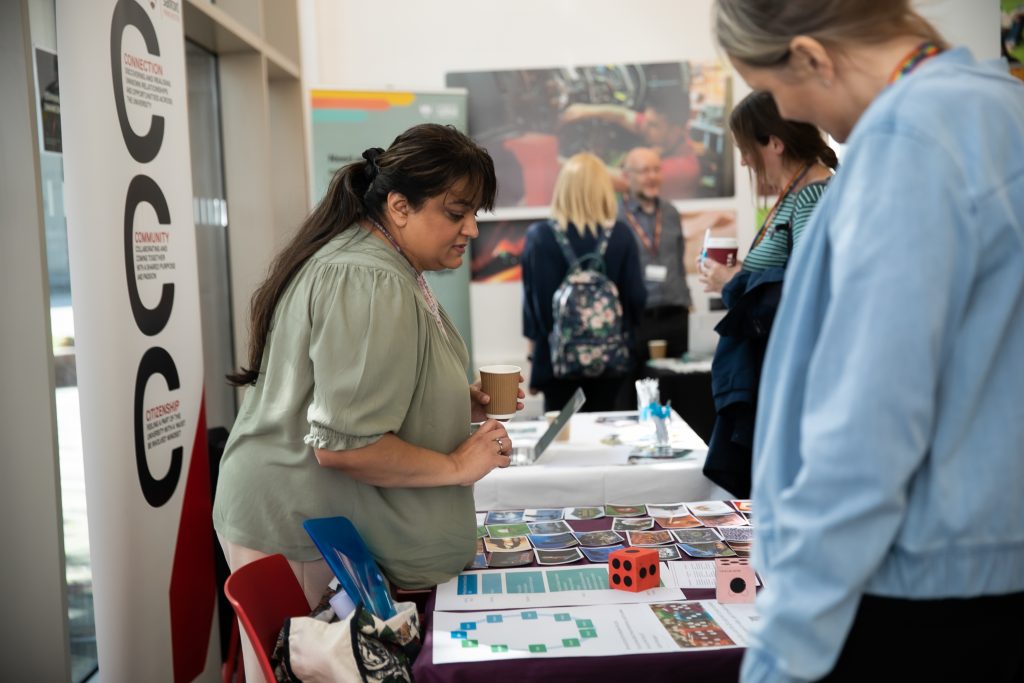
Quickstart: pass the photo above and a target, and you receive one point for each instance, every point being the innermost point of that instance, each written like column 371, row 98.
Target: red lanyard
column 775, row 208
column 641, row 234
column 913, row 59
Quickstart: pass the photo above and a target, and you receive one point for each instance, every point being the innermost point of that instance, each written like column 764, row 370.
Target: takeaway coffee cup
column 657, row 348
column 563, row 434
column 723, row 250
column 501, row 383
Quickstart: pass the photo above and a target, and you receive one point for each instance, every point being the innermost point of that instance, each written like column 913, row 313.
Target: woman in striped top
column 793, row 161
column 785, row 158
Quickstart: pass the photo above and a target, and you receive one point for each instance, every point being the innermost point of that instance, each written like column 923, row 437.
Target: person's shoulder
column 620, row 238
column 619, row 230
column 949, row 94
column 668, row 210
column 355, row 255
column 353, row 245
column 539, row 229
column 958, row 72
column 811, row 192
column 540, row 237
column 960, row 119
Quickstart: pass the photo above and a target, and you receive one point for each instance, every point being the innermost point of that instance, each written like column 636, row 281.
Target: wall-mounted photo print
column 532, row 119
column 698, row 223
column 496, row 251
column 498, row 248
column 1012, row 34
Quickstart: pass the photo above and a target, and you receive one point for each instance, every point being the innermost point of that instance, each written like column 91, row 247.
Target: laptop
column 526, row 455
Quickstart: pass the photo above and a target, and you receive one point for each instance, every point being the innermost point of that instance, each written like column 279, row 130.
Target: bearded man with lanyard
column 658, row 230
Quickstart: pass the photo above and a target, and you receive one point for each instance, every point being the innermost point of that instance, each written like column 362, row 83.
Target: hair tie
column 371, row 168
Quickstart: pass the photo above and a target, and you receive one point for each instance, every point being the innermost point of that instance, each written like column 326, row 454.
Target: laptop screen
column 570, row 409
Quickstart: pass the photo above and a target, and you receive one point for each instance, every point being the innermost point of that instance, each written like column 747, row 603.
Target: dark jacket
column 752, row 299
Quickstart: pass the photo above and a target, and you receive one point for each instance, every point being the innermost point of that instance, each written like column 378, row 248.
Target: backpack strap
column 602, row 243
column 596, row 257
column 563, row 242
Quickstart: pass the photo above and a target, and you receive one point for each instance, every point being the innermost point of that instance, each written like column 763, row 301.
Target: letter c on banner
column 143, row 148
column 156, row 361
column 143, row 190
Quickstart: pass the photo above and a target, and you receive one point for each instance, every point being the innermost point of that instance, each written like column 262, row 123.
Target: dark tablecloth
column 690, row 393
column 693, row 666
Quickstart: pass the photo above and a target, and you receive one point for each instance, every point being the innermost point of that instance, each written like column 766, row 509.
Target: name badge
column 655, row 273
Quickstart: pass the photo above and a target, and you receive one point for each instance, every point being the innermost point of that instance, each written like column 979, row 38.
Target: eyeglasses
column 645, row 170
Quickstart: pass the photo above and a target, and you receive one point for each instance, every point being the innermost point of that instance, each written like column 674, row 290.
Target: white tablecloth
column 585, row 471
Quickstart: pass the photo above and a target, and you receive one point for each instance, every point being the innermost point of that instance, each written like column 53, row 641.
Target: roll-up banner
column 131, row 238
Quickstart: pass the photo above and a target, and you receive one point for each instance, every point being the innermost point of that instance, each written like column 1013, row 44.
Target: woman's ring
column 501, row 445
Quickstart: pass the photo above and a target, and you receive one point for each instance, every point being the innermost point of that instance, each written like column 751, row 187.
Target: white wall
column 412, row 45
column 974, row 23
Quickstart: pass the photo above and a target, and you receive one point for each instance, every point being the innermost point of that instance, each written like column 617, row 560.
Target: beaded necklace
column 915, row 58
column 428, row 295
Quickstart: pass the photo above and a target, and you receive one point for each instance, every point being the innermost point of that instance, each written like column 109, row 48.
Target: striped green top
column 794, row 210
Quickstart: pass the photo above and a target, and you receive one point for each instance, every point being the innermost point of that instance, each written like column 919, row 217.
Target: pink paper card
column 734, row 580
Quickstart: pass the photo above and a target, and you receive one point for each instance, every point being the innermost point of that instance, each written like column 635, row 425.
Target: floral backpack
column 587, row 339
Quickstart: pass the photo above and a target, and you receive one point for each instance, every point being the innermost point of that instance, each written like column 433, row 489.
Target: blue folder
column 350, row 560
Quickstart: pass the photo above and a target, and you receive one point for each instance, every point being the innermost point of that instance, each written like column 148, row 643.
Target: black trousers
column 969, row 639
column 671, row 323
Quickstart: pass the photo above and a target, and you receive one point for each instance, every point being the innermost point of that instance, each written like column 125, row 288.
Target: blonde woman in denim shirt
column 889, row 449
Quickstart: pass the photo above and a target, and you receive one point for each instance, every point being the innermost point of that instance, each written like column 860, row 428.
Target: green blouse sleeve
column 364, row 348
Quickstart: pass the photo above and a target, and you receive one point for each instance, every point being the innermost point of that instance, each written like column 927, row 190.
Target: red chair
column 264, row 593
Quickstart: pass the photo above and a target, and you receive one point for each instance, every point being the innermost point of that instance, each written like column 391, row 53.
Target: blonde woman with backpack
column 584, row 336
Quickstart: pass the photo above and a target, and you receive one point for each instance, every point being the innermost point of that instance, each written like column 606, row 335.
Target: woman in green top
column 357, row 402
column 793, row 161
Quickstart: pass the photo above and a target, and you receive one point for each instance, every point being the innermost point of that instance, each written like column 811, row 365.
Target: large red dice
column 634, row 569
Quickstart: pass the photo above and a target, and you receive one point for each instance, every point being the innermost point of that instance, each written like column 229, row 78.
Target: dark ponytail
column 828, row 156
column 421, row 163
